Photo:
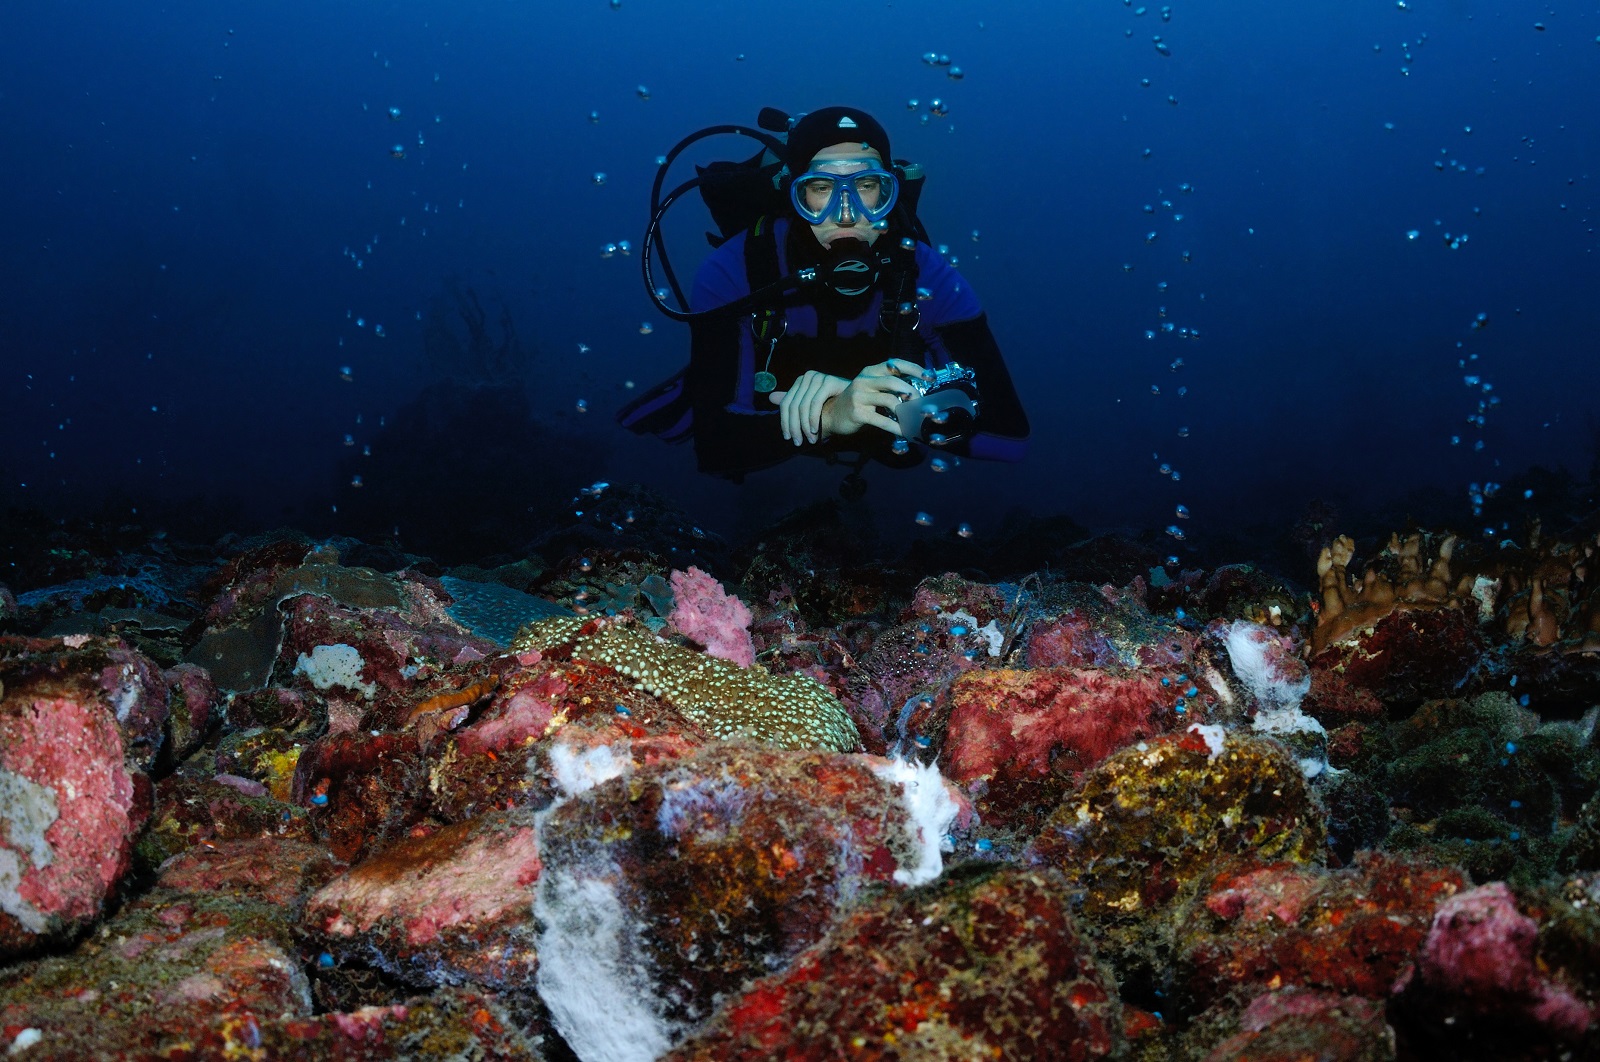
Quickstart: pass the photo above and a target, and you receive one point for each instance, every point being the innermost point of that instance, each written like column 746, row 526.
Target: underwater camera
column 943, row 408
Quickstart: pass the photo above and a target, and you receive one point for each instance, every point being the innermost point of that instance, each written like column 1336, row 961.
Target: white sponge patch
column 578, row 771
column 932, row 811
column 590, row 973
column 1266, row 666
column 334, row 665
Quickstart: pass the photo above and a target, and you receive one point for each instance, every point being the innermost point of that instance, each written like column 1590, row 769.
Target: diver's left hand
column 800, row 407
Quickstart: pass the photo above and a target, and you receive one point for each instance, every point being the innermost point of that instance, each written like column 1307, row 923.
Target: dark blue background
column 181, row 182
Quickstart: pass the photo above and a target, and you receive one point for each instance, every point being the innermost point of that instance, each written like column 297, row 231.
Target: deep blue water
column 189, row 187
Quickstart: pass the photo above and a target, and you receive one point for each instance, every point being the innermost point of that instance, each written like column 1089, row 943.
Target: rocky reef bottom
column 650, row 795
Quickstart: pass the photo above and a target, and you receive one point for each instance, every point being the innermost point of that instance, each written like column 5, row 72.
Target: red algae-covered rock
column 905, row 666
column 986, row 965
column 1335, row 701
column 665, row 888
column 454, row 905
column 271, row 870
column 1142, row 829
column 1017, row 740
column 1348, row 932
column 68, row 813
column 1071, row 639
column 1408, row 655
column 103, row 671
column 454, row 1023
column 501, row 759
column 194, row 810
column 1297, row 1024
column 1477, row 977
column 192, row 705
column 149, row 983
column 363, row 790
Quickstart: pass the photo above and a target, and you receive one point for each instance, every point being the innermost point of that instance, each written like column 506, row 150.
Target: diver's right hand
column 876, row 389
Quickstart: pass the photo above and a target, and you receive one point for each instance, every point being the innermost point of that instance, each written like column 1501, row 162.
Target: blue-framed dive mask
column 846, row 195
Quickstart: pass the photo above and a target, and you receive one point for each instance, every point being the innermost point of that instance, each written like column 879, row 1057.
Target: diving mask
column 844, row 191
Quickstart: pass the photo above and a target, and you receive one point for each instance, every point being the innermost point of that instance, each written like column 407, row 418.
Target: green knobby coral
column 783, row 711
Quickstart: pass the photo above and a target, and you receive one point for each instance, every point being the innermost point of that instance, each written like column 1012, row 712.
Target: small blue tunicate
column 1511, row 746
column 900, row 446
column 622, row 710
column 1516, row 804
column 319, row 799
column 1516, row 835
column 1175, row 531
column 325, row 960
column 1180, row 708
column 1180, row 614
column 1523, row 700
column 1181, row 704
column 923, row 519
column 1191, row 691
column 959, row 630
column 1182, row 512
column 1513, row 680
column 1165, row 681
column 984, row 844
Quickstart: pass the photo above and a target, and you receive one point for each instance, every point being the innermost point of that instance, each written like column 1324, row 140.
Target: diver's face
column 841, row 159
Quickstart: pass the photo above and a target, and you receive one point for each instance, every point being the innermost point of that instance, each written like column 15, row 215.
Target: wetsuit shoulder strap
column 900, row 312
column 761, row 270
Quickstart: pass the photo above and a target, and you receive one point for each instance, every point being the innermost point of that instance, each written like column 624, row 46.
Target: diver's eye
column 818, row 189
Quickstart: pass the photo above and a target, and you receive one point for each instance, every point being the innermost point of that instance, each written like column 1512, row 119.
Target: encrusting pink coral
column 706, row 613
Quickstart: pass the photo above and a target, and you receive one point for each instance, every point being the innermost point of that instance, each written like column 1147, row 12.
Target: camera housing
column 945, row 406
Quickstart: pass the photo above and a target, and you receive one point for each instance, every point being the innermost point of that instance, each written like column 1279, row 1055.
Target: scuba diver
column 824, row 322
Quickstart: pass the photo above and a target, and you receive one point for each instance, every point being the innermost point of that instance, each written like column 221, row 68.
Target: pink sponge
column 1481, row 949
column 706, row 613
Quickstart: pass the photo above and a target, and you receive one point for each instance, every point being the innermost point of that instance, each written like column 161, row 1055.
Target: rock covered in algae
column 1294, row 1023
column 1140, row 832
column 1018, row 738
column 169, row 967
column 730, row 701
column 451, row 906
column 70, row 803
column 980, row 965
column 1348, row 932
column 666, row 887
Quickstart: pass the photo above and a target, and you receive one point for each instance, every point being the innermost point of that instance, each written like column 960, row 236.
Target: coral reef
column 925, row 975
column 313, row 799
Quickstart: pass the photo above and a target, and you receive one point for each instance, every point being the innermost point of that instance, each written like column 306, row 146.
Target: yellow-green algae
column 783, row 711
column 1138, row 836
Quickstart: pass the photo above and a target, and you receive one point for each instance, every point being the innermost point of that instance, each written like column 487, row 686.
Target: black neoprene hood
column 833, row 125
